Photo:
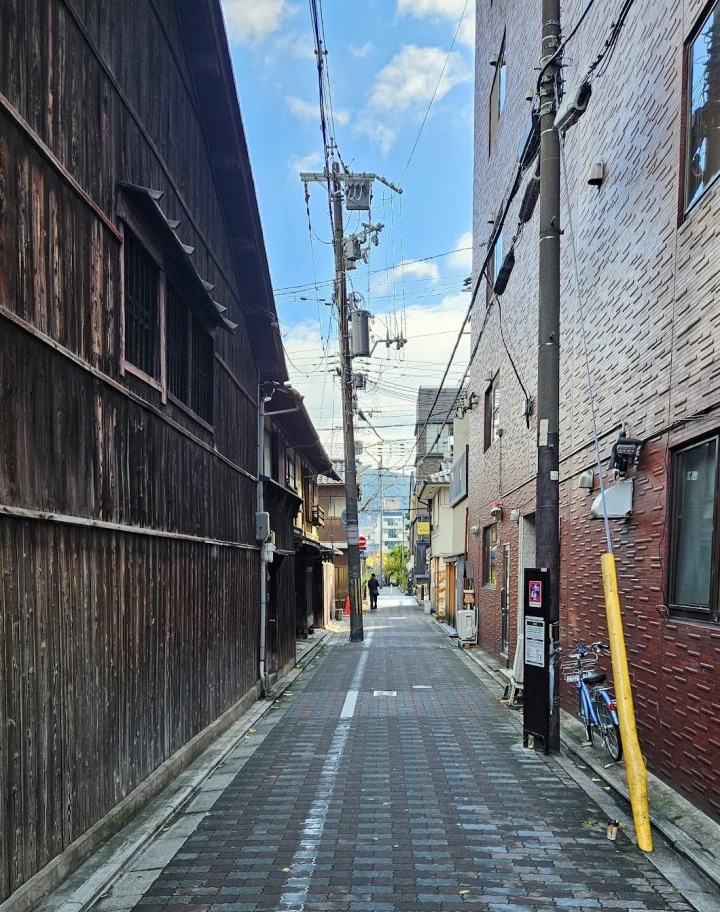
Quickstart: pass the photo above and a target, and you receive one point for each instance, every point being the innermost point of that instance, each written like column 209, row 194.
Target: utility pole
column 547, row 491
column 351, row 491
column 359, row 194
column 382, row 515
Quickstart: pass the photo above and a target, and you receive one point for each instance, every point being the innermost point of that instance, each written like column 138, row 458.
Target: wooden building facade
column 300, row 590
column 136, row 321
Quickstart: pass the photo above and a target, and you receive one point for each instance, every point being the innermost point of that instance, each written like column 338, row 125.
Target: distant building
column 430, row 513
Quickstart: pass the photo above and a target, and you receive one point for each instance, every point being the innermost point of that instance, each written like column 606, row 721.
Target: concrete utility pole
column 351, row 491
column 359, row 194
column 547, row 491
column 382, row 515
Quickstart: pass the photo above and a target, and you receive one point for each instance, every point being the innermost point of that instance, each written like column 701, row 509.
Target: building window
column 497, row 95
column 493, row 268
column 290, row 481
column 694, row 562
column 142, row 308
column 164, row 343
column 702, row 156
column 190, row 358
column 492, row 412
column 490, row 555
column 202, row 371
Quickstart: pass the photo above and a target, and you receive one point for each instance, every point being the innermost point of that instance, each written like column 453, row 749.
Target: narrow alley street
column 389, row 777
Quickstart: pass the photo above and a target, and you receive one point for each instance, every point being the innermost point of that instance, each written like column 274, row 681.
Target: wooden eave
column 208, row 58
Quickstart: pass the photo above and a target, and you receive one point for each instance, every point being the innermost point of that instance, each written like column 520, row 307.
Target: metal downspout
column 263, row 562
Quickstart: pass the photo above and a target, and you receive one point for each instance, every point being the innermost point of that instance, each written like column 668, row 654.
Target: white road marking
column 348, row 709
column 305, row 859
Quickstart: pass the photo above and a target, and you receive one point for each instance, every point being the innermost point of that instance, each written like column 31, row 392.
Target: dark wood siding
column 129, row 570
column 117, row 649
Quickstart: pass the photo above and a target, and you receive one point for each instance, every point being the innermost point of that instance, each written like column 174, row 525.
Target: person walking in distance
column 373, row 586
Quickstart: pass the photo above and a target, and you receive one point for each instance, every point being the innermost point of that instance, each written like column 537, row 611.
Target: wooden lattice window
column 142, row 308
column 178, row 345
column 201, row 372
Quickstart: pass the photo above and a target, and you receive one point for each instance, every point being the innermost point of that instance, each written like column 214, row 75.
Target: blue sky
column 385, row 58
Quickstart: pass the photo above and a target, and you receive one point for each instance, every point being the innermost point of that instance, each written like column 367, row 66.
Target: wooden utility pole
column 351, row 491
column 547, row 491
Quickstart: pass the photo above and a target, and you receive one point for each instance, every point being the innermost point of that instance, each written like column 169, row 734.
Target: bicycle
column 596, row 704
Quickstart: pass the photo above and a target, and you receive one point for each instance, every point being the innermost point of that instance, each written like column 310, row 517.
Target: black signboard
column 536, row 682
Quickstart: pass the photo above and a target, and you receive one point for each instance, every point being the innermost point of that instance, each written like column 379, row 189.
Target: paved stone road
column 390, row 780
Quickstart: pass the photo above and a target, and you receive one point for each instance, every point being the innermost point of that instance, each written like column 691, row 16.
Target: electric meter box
column 262, row 527
column 360, row 333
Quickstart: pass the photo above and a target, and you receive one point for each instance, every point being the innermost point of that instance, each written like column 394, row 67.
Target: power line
column 442, row 73
column 435, row 256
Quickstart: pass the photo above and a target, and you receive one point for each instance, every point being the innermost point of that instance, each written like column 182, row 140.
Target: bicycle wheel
column 611, row 733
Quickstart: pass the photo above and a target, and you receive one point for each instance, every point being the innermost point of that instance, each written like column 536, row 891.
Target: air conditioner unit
column 466, row 626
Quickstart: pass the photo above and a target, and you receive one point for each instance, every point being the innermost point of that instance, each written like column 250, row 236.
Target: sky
column 384, row 59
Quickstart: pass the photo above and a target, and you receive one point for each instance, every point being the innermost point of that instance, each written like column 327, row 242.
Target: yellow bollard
column 634, row 763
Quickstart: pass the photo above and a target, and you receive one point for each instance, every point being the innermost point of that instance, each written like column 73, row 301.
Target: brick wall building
column 649, row 261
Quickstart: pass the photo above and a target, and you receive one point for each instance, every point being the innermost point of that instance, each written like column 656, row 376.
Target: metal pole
column 382, row 516
column 263, row 563
column 351, row 499
column 547, row 493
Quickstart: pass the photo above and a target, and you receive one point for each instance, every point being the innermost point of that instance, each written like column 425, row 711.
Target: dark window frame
column 489, row 562
column 493, row 267
column 492, row 413
column 498, row 97
column 197, row 399
column 711, row 614
column 290, row 469
column 687, row 203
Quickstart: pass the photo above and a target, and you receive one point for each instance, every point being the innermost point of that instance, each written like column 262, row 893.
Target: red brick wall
column 653, row 325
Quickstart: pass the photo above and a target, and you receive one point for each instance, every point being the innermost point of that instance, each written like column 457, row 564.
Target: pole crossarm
column 322, row 177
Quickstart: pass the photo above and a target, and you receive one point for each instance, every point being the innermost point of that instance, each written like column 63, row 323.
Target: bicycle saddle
column 594, row 678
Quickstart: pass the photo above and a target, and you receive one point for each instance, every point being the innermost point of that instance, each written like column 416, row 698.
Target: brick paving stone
column 422, row 802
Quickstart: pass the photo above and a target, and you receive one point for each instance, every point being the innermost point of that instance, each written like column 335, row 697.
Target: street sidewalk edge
column 673, row 835
column 241, row 716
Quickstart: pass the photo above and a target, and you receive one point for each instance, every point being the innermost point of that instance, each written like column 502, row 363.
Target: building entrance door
column 504, row 599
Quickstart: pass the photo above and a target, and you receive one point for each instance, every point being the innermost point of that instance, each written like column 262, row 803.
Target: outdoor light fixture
column 597, row 174
column 496, row 511
column 475, row 529
column 625, row 454
column 587, row 480
column 515, row 516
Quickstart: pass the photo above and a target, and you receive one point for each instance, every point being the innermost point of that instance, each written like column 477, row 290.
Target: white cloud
column 250, row 21
column 406, row 86
column 361, row 51
column 309, row 162
column 418, row 269
column 461, row 258
column 309, row 110
column 411, row 270
column 378, row 133
column 451, row 10
column 409, row 80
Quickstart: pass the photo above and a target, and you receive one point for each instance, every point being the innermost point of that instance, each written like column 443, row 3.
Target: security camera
column 573, row 106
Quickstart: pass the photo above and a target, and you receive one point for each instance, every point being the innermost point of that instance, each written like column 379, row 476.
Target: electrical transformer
column 360, row 333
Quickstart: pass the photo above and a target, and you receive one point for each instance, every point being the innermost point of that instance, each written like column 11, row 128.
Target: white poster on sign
column 535, row 642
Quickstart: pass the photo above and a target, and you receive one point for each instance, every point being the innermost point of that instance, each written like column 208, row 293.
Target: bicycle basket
column 569, row 670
